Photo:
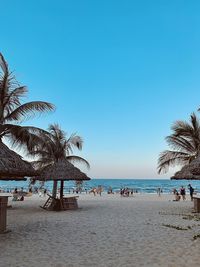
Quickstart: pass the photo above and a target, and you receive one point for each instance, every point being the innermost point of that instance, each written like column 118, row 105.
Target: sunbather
column 177, row 197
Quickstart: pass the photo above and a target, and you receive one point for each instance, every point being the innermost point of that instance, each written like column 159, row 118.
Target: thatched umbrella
column 12, row 167
column 61, row 171
column 189, row 172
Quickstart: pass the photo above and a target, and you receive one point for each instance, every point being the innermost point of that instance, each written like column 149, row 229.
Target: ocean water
column 141, row 185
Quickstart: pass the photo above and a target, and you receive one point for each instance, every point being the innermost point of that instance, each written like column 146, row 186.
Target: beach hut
column 12, row 166
column 61, row 171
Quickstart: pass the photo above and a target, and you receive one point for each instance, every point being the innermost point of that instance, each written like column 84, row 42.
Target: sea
column 148, row 186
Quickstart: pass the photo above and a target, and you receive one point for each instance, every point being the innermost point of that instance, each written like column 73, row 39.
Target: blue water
column 141, row 185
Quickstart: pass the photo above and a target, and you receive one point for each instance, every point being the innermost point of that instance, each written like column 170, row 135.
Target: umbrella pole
column 54, row 193
column 61, row 189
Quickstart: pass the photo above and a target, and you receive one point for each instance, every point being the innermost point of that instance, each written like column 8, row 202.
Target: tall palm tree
column 55, row 146
column 185, row 144
column 13, row 112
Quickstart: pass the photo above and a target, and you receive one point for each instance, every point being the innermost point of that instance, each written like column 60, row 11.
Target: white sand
column 105, row 231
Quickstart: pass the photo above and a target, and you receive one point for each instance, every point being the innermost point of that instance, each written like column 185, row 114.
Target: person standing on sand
column 182, row 192
column 174, row 191
column 121, row 192
column 191, row 189
column 100, row 189
column 45, row 192
column 93, row 190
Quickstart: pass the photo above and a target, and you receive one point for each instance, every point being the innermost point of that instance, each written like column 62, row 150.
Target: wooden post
column 196, row 204
column 3, row 213
column 61, row 188
column 54, row 193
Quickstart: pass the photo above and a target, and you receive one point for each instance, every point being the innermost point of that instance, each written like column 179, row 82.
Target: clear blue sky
column 119, row 72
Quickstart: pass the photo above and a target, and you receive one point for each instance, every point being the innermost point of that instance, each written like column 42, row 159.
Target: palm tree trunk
column 54, row 192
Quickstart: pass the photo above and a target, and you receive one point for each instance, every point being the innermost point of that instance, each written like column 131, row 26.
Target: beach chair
column 58, row 204
column 69, row 203
column 48, row 203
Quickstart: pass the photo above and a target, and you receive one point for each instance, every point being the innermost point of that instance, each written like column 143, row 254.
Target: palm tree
column 55, row 146
column 13, row 112
column 185, row 144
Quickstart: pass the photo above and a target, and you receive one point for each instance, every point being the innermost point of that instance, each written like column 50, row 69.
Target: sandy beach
column 106, row 231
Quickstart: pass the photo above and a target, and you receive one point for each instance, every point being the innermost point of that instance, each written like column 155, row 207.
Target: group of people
column 126, row 192
column 18, row 195
column 96, row 190
column 182, row 193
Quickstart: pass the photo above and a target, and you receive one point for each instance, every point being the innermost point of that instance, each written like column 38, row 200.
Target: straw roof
column 189, row 172
column 12, row 167
column 61, row 170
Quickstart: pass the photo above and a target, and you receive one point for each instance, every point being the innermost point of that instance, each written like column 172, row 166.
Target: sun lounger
column 65, row 203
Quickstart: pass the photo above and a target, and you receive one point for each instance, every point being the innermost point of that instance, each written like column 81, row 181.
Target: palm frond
column 73, row 141
column 6, row 82
column 179, row 143
column 35, row 130
column 3, row 64
column 182, row 128
column 76, row 141
column 28, row 110
column 55, row 146
column 57, row 134
column 12, row 99
column 77, row 159
column 19, row 136
column 171, row 158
